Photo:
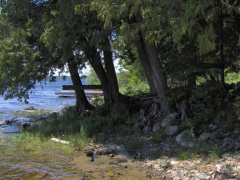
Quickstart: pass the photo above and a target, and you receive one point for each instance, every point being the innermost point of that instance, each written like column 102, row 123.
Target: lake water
column 42, row 97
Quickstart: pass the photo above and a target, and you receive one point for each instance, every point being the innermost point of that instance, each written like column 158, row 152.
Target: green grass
column 30, row 147
column 133, row 143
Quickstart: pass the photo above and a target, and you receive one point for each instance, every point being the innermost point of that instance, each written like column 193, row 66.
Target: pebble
column 89, row 153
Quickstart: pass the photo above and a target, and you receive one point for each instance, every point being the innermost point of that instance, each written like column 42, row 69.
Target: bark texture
column 94, row 59
column 158, row 74
column 146, row 66
column 110, row 70
column 82, row 103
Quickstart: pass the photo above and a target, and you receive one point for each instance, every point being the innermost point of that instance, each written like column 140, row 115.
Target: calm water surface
column 43, row 96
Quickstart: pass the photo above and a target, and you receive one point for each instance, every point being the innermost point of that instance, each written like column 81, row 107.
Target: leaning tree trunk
column 95, row 61
column 146, row 66
column 158, row 74
column 82, row 103
column 110, row 69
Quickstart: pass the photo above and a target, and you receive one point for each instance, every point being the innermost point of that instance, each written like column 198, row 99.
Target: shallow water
column 77, row 166
column 31, row 170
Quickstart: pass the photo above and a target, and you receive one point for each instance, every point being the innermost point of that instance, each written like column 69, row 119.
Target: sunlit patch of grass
column 31, row 147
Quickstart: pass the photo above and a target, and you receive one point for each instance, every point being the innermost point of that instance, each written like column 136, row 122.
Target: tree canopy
column 167, row 44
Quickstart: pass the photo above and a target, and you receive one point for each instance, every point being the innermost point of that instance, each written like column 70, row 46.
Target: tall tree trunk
column 192, row 77
column 82, row 103
column 110, row 69
column 95, row 61
column 222, row 60
column 191, row 80
column 158, row 74
column 146, row 66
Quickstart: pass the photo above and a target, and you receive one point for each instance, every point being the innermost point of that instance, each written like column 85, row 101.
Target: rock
column 227, row 134
column 8, row 122
column 165, row 164
column 138, row 126
column 149, row 165
column 172, row 130
column 169, row 120
column 188, row 144
column 237, row 131
column 219, row 167
column 173, row 163
column 230, row 147
column 177, row 178
column 218, row 134
column 30, row 108
column 213, row 127
column 26, row 125
column 111, row 155
column 99, row 152
column 38, row 117
column 205, row 136
column 146, row 129
column 185, row 136
column 234, row 137
column 52, row 115
column 104, row 151
column 156, row 128
column 89, row 153
column 237, row 146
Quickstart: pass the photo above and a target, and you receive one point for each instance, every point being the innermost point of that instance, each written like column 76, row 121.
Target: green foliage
column 206, row 101
column 119, row 120
column 155, row 154
column 182, row 155
column 187, row 124
column 97, row 101
column 159, row 136
column 35, row 145
column 133, row 144
column 62, row 125
column 132, row 80
column 92, row 78
column 205, row 147
column 69, row 124
column 215, row 152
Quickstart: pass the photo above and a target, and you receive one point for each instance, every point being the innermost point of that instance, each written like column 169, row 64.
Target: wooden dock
column 72, row 93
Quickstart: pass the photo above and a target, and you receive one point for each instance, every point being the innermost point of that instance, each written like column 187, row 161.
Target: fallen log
column 59, row 141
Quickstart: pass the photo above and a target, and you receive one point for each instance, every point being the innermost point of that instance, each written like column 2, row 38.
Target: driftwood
column 59, row 141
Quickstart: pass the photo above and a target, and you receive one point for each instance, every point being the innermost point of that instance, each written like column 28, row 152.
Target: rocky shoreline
column 161, row 153
column 13, row 123
column 174, row 161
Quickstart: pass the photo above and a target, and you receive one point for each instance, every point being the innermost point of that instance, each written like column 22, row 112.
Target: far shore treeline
column 185, row 54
